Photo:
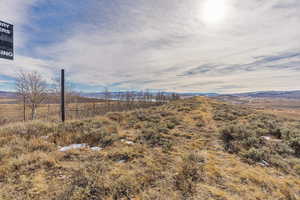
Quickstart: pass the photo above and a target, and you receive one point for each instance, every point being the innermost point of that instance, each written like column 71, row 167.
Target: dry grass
column 11, row 110
column 4, row 100
column 285, row 108
column 169, row 152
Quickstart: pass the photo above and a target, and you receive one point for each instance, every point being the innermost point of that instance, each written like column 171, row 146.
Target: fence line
column 51, row 112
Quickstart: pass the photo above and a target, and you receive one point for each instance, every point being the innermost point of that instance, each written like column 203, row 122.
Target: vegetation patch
column 175, row 151
column 263, row 139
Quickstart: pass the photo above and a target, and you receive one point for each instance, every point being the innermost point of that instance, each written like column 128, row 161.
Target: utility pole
column 62, row 97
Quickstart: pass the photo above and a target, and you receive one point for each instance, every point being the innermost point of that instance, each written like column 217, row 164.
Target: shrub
column 251, row 141
column 284, row 149
column 224, row 116
column 141, row 116
column 82, row 188
column 4, row 120
column 118, row 117
column 278, row 161
column 295, row 144
column 29, row 130
column 245, row 140
column 174, row 120
column 200, row 124
column 239, row 136
column 99, row 136
column 124, row 186
column 91, row 132
column 225, row 112
column 190, row 172
column 40, row 145
column 126, row 153
column 297, row 169
column 165, row 113
column 289, row 133
column 163, row 129
column 256, row 155
column 185, row 109
column 147, row 116
column 154, row 137
column 171, row 125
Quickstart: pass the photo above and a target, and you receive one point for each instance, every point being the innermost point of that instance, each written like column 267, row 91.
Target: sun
column 213, row 11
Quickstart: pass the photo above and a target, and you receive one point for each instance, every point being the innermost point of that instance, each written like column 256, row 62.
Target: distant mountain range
column 271, row 94
column 4, row 94
column 116, row 94
column 261, row 94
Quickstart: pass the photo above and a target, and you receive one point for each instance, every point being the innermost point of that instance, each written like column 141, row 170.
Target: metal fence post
column 62, row 102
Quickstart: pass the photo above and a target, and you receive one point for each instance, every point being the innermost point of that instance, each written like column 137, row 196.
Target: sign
column 6, row 41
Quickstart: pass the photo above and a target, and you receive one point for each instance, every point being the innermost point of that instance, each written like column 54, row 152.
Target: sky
column 222, row 46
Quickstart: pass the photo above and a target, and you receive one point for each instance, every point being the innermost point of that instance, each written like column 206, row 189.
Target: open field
column 8, row 100
column 288, row 108
column 11, row 110
column 189, row 149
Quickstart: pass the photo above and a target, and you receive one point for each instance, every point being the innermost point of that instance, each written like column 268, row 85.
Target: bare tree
column 175, row 96
column 72, row 98
column 33, row 89
column 20, row 85
column 107, row 99
column 70, row 94
column 147, row 96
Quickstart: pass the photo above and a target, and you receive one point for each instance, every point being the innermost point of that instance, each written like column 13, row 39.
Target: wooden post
column 62, row 102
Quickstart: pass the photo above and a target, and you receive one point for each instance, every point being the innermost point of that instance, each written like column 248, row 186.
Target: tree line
column 34, row 91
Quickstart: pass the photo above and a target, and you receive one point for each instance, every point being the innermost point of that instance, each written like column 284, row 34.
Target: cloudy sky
column 223, row 46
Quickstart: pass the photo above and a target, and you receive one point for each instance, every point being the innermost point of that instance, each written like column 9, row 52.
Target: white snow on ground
column 264, row 163
column 96, row 148
column 78, row 146
column 266, row 137
column 73, row 146
column 127, row 142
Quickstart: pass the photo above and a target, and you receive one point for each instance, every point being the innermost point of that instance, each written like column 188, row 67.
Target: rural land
column 150, row 100
column 195, row 147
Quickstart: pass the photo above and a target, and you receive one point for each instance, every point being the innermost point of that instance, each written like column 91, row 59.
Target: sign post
column 62, row 97
column 6, row 41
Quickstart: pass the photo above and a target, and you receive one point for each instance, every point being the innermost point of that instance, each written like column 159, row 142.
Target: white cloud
column 17, row 13
column 148, row 43
column 4, row 81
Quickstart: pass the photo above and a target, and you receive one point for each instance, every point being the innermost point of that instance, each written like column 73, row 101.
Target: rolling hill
column 259, row 94
column 8, row 94
column 272, row 94
column 195, row 148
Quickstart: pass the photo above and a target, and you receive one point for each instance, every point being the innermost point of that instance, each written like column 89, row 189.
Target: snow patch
column 73, row 146
column 264, row 163
column 96, row 148
column 266, row 137
column 78, row 146
column 127, row 142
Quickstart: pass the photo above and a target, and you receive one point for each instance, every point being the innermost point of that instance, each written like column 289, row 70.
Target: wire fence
column 15, row 112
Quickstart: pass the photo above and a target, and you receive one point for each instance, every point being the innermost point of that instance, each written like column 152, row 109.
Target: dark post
column 24, row 108
column 62, row 102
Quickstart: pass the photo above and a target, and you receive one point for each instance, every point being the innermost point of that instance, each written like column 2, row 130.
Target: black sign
column 6, row 41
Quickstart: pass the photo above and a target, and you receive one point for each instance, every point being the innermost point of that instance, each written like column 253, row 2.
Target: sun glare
column 214, row 11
